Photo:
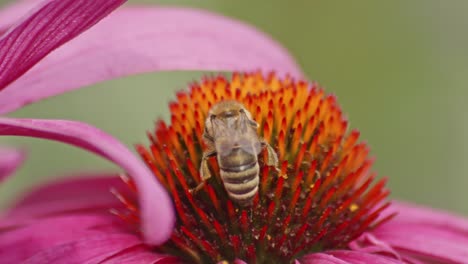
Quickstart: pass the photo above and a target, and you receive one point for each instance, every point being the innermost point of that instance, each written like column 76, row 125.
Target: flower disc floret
column 321, row 197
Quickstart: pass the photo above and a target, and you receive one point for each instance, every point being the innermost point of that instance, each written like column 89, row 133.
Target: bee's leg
column 253, row 124
column 272, row 159
column 204, row 169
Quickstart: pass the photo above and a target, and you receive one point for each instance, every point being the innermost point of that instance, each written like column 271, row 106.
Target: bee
column 231, row 135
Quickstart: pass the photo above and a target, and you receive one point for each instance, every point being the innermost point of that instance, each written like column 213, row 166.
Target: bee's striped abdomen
column 239, row 172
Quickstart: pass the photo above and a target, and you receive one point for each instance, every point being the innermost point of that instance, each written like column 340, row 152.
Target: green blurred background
column 399, row 69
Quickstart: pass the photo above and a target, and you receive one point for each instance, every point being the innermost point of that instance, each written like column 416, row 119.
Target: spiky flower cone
column 322, row 198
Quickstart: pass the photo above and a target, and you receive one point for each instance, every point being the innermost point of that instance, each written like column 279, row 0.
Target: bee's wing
column 240, row 135
column 248, row 140
column 250, row 143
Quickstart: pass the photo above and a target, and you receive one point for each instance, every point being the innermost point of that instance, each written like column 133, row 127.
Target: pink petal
column 321, row 258
column 427, row 234
column 424, row 240
column 419, row 214
column 156, row 206
column 19, row 244
column 370, row 244
column 137, row 40
column 10, row 160
column 90, row 249
column 91, row 193
column 52, row 25
column 140, row 255
column 363, row 258
column 347, row 257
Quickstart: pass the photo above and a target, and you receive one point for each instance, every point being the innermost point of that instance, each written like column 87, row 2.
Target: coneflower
column 321, row 205
column 323, row 197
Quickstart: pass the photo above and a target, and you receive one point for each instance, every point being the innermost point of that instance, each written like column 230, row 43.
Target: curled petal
column 426, row 234
column 370, row 244
column 10, row 160
column 81, row 193
column 10, row 14
column 137, row 40
column 157, row 212
column 50, row 26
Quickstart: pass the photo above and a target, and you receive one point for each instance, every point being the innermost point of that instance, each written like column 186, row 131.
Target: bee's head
column 226, row 114
column 226, row 110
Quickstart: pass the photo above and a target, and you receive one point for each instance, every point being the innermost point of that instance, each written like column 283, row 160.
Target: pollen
column 322, row 196
column 353, row 207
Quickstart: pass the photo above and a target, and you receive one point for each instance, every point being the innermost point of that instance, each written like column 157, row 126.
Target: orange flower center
column 322, row 197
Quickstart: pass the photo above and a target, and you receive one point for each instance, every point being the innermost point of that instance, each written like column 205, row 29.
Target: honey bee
column 231, row 135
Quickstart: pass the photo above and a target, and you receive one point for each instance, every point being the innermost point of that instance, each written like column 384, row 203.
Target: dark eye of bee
column 212, row 117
